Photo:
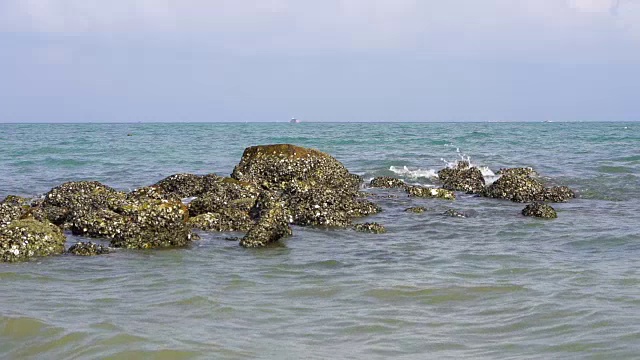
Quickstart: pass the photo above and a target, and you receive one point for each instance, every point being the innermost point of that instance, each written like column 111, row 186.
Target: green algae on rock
column 370, row 227
column 88, row 249
column 540, row 210
column 425, row 192
column 274, row 165
column 27, row 238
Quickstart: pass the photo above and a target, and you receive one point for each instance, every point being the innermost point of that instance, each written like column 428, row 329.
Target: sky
column 319, row 60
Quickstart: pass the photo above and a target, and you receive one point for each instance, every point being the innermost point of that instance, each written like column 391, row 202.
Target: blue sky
column 329, row 60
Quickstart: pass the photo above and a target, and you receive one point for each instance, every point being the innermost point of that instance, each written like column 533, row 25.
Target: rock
column 151, row 193
column 27, row 238
column 540, row 210
column 186, row 185
column 421, row 191
column 272, row 226
column 455, row 213
column 515, row 187
column 10, row 212
column 312, row 206
column 88, row 249
column 272, row 166
column 224, row 220
column 371, row 227
column 558, row 194
column 224, row 194
column 522, row 171
column 416, row 209
column 15, row 200
column 75, row 199
column 153, row 224
column 100, row 223
column 462, row 178
column 387, row 182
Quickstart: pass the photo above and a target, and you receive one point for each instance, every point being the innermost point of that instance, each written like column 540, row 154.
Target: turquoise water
column 492, row 285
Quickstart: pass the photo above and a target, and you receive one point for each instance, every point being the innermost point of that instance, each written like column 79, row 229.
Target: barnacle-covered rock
column 272, row 226
column 224, row 220
column 272, row 166
column 326, row 206
column 88, row 249
column 370, row 227
column 151, row 193
column 224, row 194
column 558, row 194
column 462, row 178
column 540, row 210
column 77, row 198
column 153, row 224
column 515, row 187
column 455, row 213
column 27, row 238
column 15, row 200
column 10, row 212
column 185, row 185
column 416, row 209
column 521, row 171
column 387, row 182
column 100, row 223
column 421, row 191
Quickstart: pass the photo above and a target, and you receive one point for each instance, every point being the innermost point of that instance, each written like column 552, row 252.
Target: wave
column 414, row 173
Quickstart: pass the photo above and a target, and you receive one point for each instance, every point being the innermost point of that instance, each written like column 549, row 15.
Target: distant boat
column 294, row 121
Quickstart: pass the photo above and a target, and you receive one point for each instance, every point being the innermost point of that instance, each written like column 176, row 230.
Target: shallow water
column 492, row 285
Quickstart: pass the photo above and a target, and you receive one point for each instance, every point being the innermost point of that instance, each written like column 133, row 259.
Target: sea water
column 494, row 284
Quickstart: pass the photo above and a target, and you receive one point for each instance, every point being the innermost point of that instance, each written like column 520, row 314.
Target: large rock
column 27, row 238
column 75, row 199
column 462, row 178
column 273, row 166
column 516, row 187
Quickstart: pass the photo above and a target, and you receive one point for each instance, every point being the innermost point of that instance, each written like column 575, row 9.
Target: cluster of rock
column 272, row 188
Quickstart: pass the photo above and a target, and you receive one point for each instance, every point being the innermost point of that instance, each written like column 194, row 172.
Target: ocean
column 494, row 284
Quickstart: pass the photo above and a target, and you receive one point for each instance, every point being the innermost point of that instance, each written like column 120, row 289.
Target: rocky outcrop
column 462, row 178
column 224, row 194
column 515, row 187
column 28, row 238
column 540, row 210
column 387, row 182
column 275, row 166
column 426, row 192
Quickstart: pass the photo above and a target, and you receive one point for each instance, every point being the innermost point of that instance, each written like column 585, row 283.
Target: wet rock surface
column 272, row 166
column 515, row 187
column 225, row 193
column 27, row 238
column 558, row 194
column 272, row 226
column 370, row 227
column 387, row 182
column 540, row 210
column 416, row 209
column 426, row 192
column 462, row 178
column 88, row 249
column 182, row 185
column 224, row 220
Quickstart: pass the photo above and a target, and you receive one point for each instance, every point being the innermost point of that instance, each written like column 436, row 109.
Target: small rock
column 371, row 227
column 540, row 210
column 387, row 182
column 88, row 249
column 421, row 191
column 416, row 209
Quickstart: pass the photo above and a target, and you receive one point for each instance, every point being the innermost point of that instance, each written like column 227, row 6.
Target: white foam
column 414, row 173
column 488, row 175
